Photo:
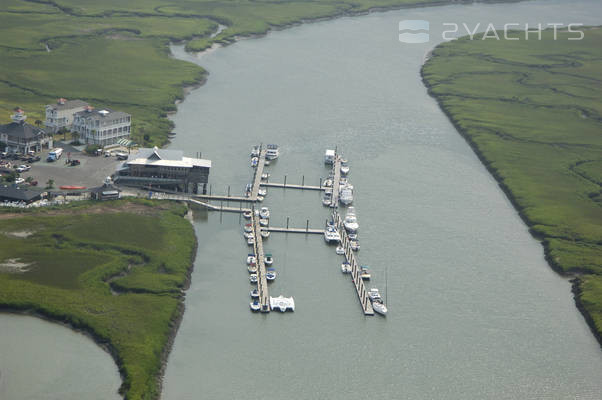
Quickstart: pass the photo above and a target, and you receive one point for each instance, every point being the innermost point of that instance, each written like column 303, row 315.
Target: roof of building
column 16, row 193
column 21, row 130
column 64, row 104
column 165, row 158
column 100, row 114
column 104, row 188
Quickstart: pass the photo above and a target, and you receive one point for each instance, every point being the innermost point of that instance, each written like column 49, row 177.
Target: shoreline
column 574, row 279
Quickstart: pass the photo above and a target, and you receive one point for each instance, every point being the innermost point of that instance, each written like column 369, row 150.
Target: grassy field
column 115, row 270
column 115, row 53
column 532, row 111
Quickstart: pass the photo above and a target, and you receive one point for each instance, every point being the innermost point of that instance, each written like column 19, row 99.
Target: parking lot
column 90, row 173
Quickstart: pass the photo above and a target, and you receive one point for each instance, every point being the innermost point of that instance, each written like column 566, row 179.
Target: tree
column 38, row 123
column 75, row 136
column 50, row 184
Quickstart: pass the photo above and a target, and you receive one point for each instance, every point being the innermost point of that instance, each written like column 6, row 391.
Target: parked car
column 33, row 183
column 73, row 163
column 23, row 168
column 121, row 156
column 19, row 181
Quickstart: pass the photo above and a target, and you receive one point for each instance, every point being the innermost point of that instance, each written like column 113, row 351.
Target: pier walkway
column 362, row 293
column 336, row 181
column 291, row 186
column 257, row 175
column 295, row 230
column 262, row 283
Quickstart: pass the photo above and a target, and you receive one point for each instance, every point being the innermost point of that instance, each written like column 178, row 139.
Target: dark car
column 73, row 163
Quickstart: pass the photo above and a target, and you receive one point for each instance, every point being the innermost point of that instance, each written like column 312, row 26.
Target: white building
column 102, row 127
column 60, row 115
column 21, row 137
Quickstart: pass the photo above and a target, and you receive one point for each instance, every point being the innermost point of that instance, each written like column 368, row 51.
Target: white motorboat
column 340, row 250
column 329, row 156
column 282, row 303
column 255, row 306
column 379, row 307
column 265, row 234
column 327, row 199
column 266, row 162
column 251, row 241
column 268, row 259
column 254, row 162
column 254, row 293
column 248, row 235
column 352, row 236
column 272, row 152
column 265, row 176
column 374, row 294
column 365, row 273
column 262, row 192
column 346, row 267
column 354, row 244
column 253, row 278
column 252, row 269
column 327, row 183
column 264, row 222
column 248, row 228
column 344, row 167
column 264, row 212
column 350, row 222
column 271, row 274
column 331, row 235
column 247, row 214
column 251, row 259
column 255, row 151
column 260, row 198
column 346, row 195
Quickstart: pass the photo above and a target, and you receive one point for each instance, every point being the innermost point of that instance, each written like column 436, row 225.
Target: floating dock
column 262, row 283
column 336, row 181
column 257, row 174
column 295, row 230
column 291, row 186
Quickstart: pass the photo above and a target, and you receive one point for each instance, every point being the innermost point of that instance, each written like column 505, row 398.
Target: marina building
column 21, row 137
column 102, row 127
column 61, row 114
column 164, row 169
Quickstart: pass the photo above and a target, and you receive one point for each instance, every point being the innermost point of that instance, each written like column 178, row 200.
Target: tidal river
column 474, row 310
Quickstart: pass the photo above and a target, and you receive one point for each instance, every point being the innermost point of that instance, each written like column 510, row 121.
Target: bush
column 91, row 149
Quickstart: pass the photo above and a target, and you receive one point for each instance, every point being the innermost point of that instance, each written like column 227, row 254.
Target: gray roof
column 96, row 114
column 166, row 158
column 163, row 154
column 69, row 104
column 16, row 193
column 21, row 130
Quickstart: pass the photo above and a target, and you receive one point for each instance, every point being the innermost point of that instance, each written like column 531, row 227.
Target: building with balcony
column 61, row 114
column 164, row 169
column 102, row 127
column 21, row 137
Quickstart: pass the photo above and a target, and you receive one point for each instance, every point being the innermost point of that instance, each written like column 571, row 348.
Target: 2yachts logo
column 417, row 31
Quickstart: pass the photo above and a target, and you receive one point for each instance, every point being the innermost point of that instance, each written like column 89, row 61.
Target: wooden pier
column 336, row 181
column 257, row 175
column 295, row 230
column 291, row 186
column 362, row 293
column 193, row 200
column 262, row 283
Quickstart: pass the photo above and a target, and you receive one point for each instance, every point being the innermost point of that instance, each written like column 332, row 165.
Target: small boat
column 329, row 157
column 251, row 259
column 255, row 151
column 264, row 222
column 71, row 187
column 374, row 294
column 354, row 244
column 252, row 268
column 251, row 241
column 255, row 306
column 271, row 274
column 248, row 188
column 253, row 278
column 265, row 234
column 272, row 152
column 352, row 236
column 379, row 307
column 327, row 199
column 248, row 228
column 254, row 293
column 247, row 214
column 254, row 162
column 264, row 212
column 344, row 167
column 340, row 250
column 265, row 176
column 350, row 222
column 365, row 273
column 346, row 267
column 346, row 196
column 282, row 303
column 331, row 235
column 266, row 162
column 268, row 260
column 327, row 183
column 259, row 198
column 248, row 235
column 262, row 192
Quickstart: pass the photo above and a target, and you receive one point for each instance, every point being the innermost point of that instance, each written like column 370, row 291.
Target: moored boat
column 247, row 214
column 379, row 307
column 329, row 156
column 346, row 196
column 265, row 176
column 331, row 235
column 270, row 275
column 254, row 162
column 272, row 152
column 268, row 259
column 254, row 293
column 340, row 250
column 350, row 221
column 252, row 268
column 255, row 306
column 248, row 228
column 354, row 244
column 253, row 278
column 265, row 233
column 251, row 259
column 374, row 294
column 344, row 167
column 255, row 151
column 251, row 241
column 264, row 222
column 346, row 267
column 365, row 272
column 282, row 303
column 264, row 213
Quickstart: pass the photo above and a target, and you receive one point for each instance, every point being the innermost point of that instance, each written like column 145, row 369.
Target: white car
column 19, row 181
column 23, row 168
